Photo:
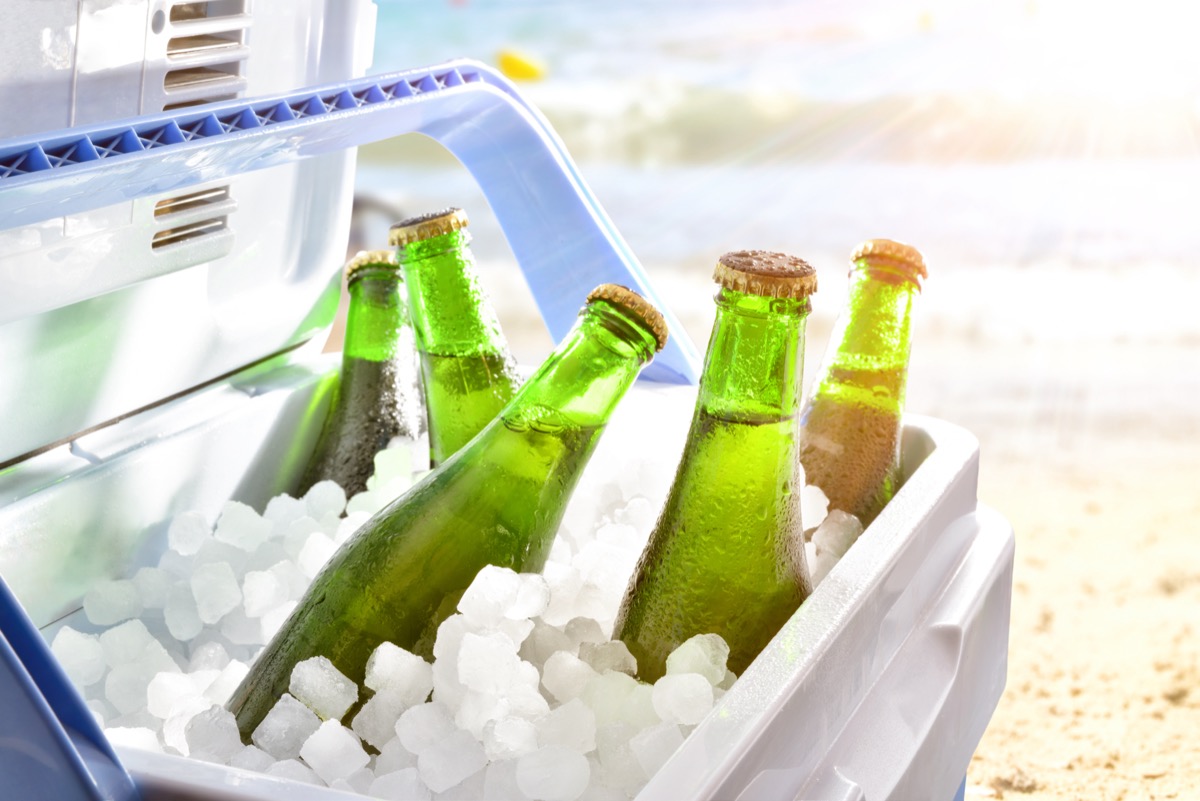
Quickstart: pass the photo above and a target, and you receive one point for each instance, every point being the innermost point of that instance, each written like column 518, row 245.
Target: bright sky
column 1114, row 50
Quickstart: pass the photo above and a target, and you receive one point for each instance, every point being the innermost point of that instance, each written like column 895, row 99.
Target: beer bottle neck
column 873, row 332
column 590, row 370
column 451, row 316
column 377, row 310
column 754, row 364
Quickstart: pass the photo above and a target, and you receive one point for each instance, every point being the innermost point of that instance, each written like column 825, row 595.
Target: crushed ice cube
column 449, row 761
column 584, row 629
column 423, row 726
column 533, row 596
column 500, row 781
column 262, row 591
column 109, row 602
column 543, row 641
column 400, row 785
column 213, row 733
column 153, row 586
column 493, row 591
column 608, row 656
column 241, row 527
column 641, row 515
column 553, row 773
column 325, row 499
column 251, row 757
column 273, row 620
column 394, row 756
column 220, row 690
column 284, row 509
column 315, row 552
column 813, row 506
column 509, row 737
column 181, row 615
column 565, row 676
column 487, row 663
column 572, row 725
column 620, row 766
column 125, row 685
column 187, row 532
column 125, row 642
column 682, row 698
column 322, row 688
column 375, row 723
column 208, row 656
column 837, row 532
column 81, row 656
column 167, row 692
column 705, row 654
column 333, row 751
column 285, row 728
column 392, row 669
column 216, row 590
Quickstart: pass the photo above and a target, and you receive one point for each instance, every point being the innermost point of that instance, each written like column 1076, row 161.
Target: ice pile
column 526, row 699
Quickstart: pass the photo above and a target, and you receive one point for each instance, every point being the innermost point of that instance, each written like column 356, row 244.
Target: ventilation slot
column 198, row 102
column 192, row 215
column 191, row 201
column 202, row 45
column 184, row 233
column 200, row 77
column 206, row 9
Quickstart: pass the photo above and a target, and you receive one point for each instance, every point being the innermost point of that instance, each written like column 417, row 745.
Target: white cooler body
column 879, row 687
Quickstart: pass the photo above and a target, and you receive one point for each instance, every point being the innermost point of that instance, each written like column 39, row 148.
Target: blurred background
column 1045, row 157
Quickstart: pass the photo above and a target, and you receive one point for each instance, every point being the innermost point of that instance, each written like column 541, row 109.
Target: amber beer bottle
column 726, row 555
column 378, row 394
column 850, row 424
column 497, row 501
column 469, row 374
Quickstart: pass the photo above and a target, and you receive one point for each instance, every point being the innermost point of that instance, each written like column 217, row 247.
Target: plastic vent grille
column 181, row 127
column 206, row 50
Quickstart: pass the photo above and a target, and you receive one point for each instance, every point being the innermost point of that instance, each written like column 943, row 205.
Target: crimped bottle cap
column 371, row 258
column 634, row 303
column 427, row 226
column 761, row 272
column 898, row 255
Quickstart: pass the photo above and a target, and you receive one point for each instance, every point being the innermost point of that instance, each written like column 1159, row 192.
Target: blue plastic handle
column 50, row 745
column 562, row 239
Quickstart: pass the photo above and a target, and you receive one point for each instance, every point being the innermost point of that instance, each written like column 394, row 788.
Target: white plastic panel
column 212, row 277
column 37, row 62
column 110, row 57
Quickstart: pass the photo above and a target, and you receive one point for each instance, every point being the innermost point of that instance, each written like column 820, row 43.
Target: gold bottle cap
column 634, row 303
column 371, row 258
column 426, row 226
column 761, row 272
column 904, row 258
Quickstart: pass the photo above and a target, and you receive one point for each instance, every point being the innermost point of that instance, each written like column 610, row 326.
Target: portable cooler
column 162, row 275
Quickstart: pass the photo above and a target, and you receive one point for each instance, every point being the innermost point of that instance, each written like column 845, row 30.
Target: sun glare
column 1115, row 51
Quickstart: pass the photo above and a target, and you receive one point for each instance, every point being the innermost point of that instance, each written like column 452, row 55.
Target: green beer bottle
column 498, row 501
column 378, row 395
column 727, row 553
column 468, row 372
column 850, row 424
